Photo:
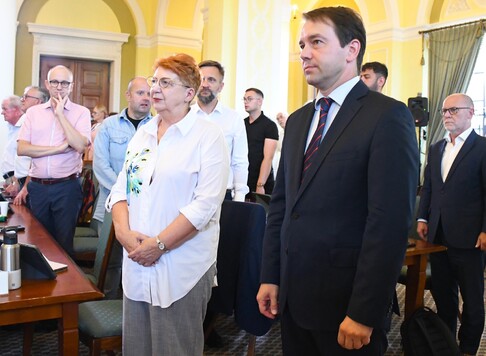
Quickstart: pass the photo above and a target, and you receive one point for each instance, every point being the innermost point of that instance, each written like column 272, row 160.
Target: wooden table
column 416, row 260
column 47, row 299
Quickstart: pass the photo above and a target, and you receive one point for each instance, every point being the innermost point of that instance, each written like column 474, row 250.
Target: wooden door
column 91, row 79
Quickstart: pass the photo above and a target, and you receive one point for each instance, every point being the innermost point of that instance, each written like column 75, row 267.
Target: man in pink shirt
column 55, row 135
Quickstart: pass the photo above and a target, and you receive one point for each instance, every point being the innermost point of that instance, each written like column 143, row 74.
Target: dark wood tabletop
column 47, row 299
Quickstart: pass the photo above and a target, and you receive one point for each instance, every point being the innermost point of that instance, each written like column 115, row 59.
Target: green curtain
column 452, row 56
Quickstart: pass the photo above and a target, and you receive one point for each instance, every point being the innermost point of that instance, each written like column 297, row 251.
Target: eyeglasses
column 453, row 111
column 23, row 97
column 163, row 82
column 248, row 99
column 55, row 83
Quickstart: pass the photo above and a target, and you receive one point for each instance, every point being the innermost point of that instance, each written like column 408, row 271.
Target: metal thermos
column 11, row 259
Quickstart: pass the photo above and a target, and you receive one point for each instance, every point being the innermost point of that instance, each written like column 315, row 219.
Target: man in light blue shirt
column 110, row 147
column 113, row 136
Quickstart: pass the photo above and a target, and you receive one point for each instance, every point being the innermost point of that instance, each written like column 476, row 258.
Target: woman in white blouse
column 166, row 207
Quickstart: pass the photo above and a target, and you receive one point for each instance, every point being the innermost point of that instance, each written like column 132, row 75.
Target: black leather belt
column 49, row 181
column 8, row 175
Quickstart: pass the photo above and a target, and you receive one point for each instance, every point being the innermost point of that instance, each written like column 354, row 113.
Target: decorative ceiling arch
column 138, row 17
column 424, row 12
column 178, row 37
column 131, row 4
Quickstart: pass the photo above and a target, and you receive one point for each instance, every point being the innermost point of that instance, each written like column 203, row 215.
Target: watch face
column 161, row 246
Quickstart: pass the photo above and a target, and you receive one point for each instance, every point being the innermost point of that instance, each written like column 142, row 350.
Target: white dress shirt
column 338, row 96
column 451, row 151
column 10, row 152
column 185, row 173
column 234, row 131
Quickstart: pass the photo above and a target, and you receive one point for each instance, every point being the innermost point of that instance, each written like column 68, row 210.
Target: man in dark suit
column 453, row 212
column 337, row 225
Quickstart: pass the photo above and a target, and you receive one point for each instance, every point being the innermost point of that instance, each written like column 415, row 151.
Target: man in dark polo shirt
column 262, row 135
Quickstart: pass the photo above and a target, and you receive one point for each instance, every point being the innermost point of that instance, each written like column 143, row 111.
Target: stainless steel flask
column 11, row 259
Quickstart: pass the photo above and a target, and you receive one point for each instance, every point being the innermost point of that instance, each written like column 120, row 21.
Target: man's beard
column 206, row 99
column 374, row 86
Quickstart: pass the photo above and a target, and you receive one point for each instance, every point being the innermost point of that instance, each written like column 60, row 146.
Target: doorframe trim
column 80, row 43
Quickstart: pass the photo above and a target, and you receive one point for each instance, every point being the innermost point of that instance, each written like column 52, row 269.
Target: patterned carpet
column 235, row 341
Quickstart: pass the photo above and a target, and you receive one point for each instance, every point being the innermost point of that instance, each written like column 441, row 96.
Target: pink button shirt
column 42, row 128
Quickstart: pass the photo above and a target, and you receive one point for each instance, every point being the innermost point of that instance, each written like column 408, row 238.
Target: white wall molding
column 171, row 37
column 80, row 43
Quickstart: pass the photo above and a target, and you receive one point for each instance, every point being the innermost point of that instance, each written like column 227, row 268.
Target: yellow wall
column 86, row 14
column 470, row 8
column 149, row 14
column 111, row 15
column 402, row 55
column 180, row 13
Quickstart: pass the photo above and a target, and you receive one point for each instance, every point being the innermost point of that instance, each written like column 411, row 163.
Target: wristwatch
column 161, row 245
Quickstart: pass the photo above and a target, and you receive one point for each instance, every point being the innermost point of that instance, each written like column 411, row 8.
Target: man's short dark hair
column 377, row 67
column 211, row 63
column 347, row 25
column 258, row 91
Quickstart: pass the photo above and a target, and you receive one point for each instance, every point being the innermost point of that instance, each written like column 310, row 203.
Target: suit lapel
column 438, row 152
column 465, row 149
column 346, row 114
column 297, row 151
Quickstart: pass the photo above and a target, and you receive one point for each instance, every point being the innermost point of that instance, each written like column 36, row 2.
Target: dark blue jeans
column 57, row 208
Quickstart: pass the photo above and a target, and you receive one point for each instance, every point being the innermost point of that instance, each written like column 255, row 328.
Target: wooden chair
column 242, row 226
column 85, row 242
column 100, row 322
column 86, row 235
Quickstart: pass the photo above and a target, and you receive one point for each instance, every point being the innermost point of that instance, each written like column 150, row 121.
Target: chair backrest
column 242, row 226
column 262, row 199
column 103, row 250
column 90, row 189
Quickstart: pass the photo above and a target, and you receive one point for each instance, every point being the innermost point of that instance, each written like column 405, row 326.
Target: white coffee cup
column 3, row 208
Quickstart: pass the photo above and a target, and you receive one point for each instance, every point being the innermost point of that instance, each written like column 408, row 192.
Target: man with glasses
column 110, row 146
column 452, row 212
column 55, row 135
column 262, row 134
column 33, row 95
column 209, row 107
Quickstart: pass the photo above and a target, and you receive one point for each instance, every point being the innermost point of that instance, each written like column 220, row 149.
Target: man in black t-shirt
column 262, row 135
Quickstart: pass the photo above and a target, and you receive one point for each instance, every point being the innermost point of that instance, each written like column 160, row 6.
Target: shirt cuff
column 239, row 197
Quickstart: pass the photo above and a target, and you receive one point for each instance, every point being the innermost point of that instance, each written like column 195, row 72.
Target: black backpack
column 425, row 334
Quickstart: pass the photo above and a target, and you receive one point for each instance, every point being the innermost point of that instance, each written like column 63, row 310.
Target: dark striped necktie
column 325, row 104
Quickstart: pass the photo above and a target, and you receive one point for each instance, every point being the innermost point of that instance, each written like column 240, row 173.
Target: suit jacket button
column 295, row 216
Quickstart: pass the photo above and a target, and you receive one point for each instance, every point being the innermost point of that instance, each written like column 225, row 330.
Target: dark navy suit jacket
column 335, row 244
column 459, row 202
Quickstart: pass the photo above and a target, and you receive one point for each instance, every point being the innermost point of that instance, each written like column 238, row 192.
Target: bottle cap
column 10, row 237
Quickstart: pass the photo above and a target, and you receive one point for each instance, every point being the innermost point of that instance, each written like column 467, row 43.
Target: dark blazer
column 459, row 202
column 335, row 244
column 242, row 226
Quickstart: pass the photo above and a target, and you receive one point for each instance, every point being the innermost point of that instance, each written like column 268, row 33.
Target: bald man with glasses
column 452, row 212
column 55, row 135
